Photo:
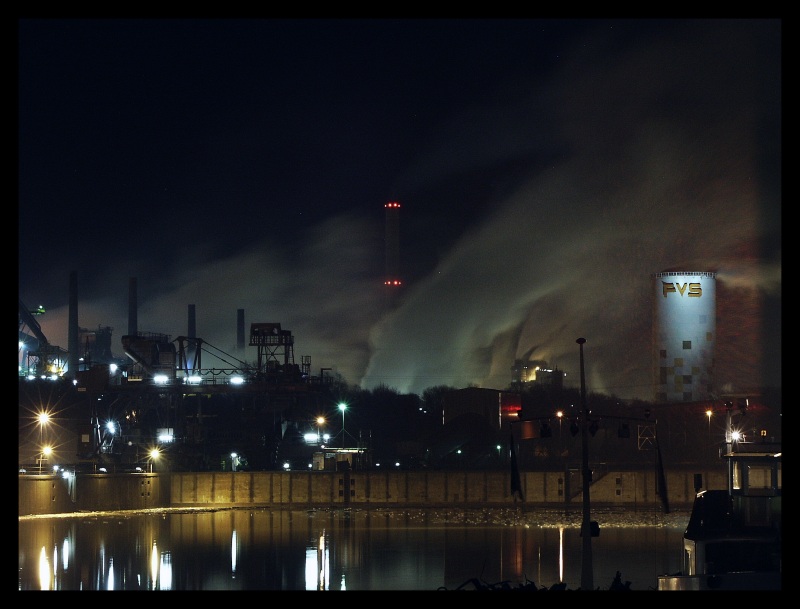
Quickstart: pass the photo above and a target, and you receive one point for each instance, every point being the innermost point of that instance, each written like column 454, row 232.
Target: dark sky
column 546, row 169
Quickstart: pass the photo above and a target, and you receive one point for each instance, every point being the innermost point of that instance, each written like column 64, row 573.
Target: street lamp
column 342, row 407
column 43, row 418
column 46, row 452
column 154, row 454
column 560, row 415
column 587, row 575
column 320, row 423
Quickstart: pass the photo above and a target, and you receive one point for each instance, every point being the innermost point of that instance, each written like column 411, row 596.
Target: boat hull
column 724, row 581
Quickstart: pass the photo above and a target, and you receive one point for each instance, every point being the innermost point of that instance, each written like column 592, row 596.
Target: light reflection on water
column 337, row 549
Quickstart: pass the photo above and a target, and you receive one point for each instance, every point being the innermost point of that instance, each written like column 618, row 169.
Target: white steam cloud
column 655, row 168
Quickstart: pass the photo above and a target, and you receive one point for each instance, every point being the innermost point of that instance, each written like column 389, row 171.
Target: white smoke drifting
column 656, row 163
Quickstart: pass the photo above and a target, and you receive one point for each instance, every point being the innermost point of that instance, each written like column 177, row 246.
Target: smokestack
column 392, row 276
column 191, row 332
column 133, row 329
column 73, row 329
column 240, row 331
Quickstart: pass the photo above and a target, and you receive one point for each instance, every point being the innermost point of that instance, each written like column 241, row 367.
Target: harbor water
column 343, row 549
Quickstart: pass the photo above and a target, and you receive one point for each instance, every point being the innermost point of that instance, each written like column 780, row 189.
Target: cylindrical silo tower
column 684, row 335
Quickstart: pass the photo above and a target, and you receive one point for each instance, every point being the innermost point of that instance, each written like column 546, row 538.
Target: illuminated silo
column 684, row 335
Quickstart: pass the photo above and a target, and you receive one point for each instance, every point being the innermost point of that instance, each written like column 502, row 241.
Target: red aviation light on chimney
column 510, row 404
column 393, row 282
column 392, row 204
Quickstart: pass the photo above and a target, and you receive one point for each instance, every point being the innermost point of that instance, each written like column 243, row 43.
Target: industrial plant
column 179, row 403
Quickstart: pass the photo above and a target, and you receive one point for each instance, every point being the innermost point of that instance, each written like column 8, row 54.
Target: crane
column 36, row 354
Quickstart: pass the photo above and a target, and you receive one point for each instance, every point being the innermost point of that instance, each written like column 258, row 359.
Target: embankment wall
column 51, row 494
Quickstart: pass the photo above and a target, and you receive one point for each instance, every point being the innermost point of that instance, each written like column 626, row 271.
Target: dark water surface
column 341, row 549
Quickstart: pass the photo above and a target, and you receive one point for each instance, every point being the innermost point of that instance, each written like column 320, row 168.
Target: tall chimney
column 392, row 275
column 192, row 330
column 192, row 333
column 240, row 331
column 73, row 329
column 133, row 329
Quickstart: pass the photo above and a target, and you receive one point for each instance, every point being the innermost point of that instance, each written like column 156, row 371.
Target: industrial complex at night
column 204, row 409
column 179, row 403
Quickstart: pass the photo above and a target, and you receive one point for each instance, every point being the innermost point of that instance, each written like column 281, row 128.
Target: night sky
column 546, row 169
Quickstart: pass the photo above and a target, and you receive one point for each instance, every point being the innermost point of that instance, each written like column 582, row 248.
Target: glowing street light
column 153, row 455
column 320, row 423
column 46, row 452
column 708, row 414
column 43, row 418
column 342, row 407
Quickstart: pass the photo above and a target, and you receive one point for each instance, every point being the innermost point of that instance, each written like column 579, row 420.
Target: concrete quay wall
column 50, row 494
